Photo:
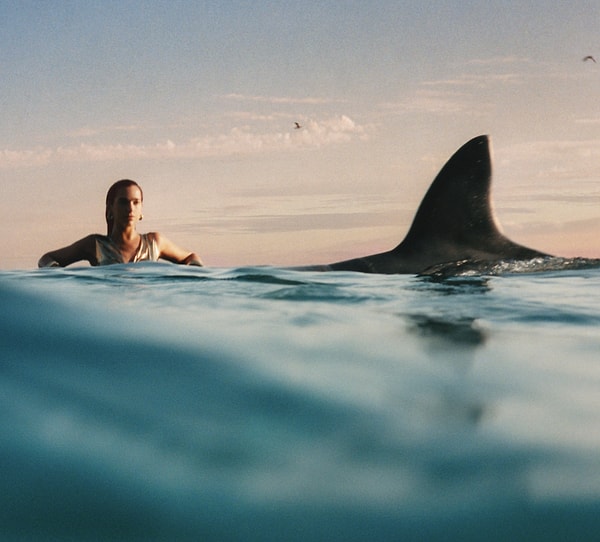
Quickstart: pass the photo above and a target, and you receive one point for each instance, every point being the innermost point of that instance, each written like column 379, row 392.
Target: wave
column 155, row 402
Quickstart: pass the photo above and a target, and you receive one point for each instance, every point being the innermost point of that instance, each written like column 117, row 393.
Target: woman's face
column 126, row 208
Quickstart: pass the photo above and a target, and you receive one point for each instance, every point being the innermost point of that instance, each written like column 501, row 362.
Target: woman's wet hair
column 112, row 194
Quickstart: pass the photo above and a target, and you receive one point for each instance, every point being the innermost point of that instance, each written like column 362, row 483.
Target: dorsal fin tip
column 458, row 198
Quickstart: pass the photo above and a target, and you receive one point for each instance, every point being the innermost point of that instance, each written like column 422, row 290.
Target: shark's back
column 455, row 221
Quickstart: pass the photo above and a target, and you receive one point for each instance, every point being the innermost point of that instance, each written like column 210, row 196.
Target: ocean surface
column 154, row 402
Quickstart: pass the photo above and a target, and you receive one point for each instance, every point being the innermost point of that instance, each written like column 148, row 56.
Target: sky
column 197, row 101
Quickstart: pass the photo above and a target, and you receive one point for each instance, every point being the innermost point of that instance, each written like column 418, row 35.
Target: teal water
column 158, row 402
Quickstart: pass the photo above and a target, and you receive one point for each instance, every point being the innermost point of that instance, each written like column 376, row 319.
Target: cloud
column 251, row 116
column 28, row 157
column 476, row 80
column 553, row 160
column 253, row 213
column 425, row 100
column 244, row 141
column 87, row 131
column 457, row 94
column 589, row 121
column 286, row 100
column 238, row 141
column 553, row 150
column 450, row 96
column 498, row 61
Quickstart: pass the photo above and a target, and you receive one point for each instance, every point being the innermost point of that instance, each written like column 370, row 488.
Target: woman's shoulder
column 90, row 239
column 95, row 243
column 93, row 238
column 155, row 236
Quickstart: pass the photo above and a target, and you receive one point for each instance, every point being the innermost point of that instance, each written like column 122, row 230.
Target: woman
column 122, row 244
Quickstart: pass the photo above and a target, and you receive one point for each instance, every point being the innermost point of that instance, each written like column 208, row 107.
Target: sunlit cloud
column 238, row 141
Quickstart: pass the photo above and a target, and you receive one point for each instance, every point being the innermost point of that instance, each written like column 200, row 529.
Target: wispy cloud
column 553, row 150
column 449, row 95
column 590, row 121
column 88, row 131
column 498, row 61
column 285, row 100
column 238, row 141
column 251, row 116
column 476, row 80
column 427, row 100
column 558, row 160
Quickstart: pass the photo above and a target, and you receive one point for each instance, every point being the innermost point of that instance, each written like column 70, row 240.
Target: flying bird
column 589, row 57
column 297, row 126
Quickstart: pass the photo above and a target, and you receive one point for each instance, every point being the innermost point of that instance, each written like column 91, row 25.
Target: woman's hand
column 193, row 259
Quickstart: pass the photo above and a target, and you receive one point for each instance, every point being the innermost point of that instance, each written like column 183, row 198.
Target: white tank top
column 107, row 252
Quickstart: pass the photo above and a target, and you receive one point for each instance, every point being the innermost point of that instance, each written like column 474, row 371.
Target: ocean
column 154, row 402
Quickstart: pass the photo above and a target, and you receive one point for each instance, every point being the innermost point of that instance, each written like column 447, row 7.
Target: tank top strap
column 148, row 249
column 107, row 252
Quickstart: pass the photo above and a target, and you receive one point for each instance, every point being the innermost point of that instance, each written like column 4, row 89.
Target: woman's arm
column 84, row 249
column 173, row 253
